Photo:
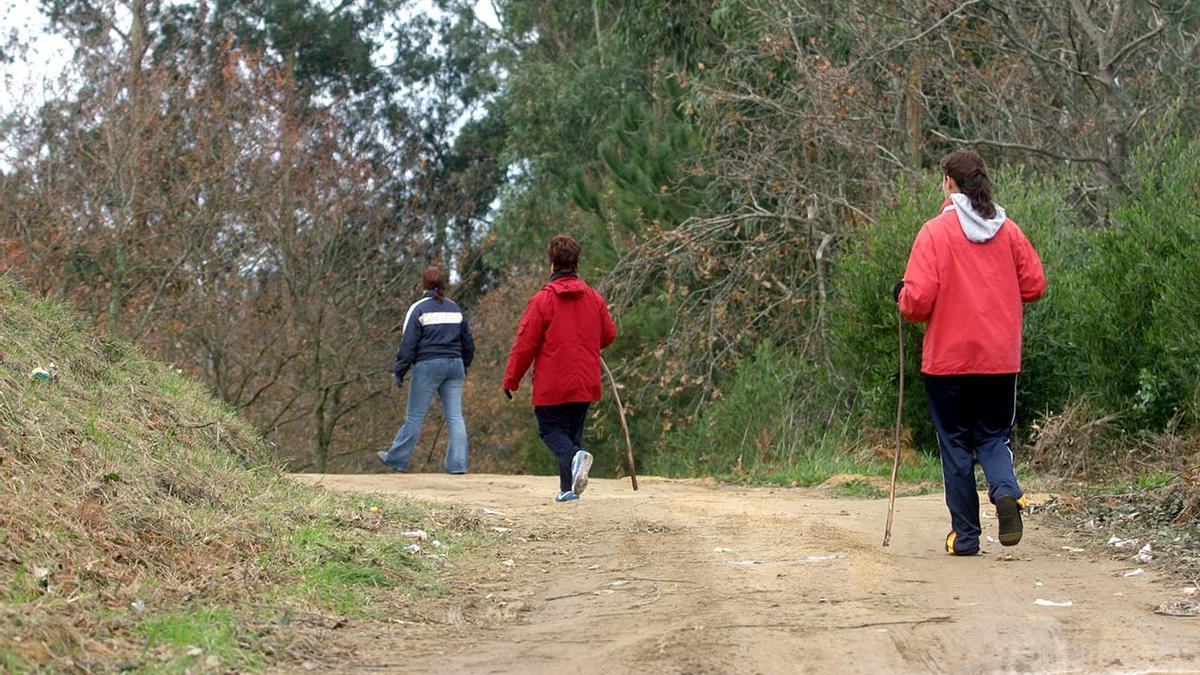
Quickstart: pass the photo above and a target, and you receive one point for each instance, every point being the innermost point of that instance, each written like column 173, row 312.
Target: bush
column 1117, row 324
column 756, row 424
column 863, row 334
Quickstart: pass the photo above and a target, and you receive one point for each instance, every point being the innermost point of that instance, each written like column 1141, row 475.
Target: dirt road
column 683, row 577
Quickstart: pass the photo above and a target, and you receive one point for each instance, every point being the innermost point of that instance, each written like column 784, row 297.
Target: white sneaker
column 579, row 471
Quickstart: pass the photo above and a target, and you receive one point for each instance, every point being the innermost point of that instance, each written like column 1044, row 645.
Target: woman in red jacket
column 969, row 274
column 564, row 327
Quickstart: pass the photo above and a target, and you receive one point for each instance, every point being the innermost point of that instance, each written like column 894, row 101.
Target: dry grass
column 140, row 520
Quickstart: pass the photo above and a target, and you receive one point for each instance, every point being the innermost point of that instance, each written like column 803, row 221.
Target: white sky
column 25, row 82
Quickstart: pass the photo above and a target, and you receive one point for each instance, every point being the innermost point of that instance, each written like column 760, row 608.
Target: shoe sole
column 1008, row 512
column 580, row 481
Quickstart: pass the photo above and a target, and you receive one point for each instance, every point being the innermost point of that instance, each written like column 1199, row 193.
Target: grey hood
column 977, row 228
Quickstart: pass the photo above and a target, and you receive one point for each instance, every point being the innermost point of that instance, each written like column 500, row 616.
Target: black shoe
column 1008, row 512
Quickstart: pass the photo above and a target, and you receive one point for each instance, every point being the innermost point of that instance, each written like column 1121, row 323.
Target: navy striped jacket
column 434, row 330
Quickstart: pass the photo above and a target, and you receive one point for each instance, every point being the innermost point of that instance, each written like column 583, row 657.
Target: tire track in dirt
column 683, row 577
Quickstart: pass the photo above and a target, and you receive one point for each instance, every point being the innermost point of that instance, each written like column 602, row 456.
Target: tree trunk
column 914, row 110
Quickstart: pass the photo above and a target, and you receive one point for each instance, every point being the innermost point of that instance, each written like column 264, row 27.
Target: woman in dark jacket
column 438, row 347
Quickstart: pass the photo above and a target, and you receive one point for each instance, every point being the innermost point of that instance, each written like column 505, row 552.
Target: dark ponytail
column 970, row 174
column 434, row 280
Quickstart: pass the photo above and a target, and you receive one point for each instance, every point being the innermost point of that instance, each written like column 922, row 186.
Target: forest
column 249, row 190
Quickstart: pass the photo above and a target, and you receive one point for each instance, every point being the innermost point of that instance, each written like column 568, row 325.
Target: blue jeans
column 446, row 377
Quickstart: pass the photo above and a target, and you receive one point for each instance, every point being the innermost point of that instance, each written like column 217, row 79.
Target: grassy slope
column 143, row 525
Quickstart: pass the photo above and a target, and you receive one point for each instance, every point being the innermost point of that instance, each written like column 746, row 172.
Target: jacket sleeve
column 1030, row 277
column 468, row 343
column 408, row 346
column 608, row 330
column 920, row 290
column 530, row 333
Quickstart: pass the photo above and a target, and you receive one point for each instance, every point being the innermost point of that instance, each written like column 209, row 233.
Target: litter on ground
column 1053, row 603
column 1145, row 555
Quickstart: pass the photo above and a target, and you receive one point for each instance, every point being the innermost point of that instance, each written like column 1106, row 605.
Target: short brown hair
column 563, row 253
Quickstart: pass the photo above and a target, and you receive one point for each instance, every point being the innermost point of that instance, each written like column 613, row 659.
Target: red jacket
column 564, row 327
column 971, row 291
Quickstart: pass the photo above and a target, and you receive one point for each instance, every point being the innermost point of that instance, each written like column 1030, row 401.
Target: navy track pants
column 973, row 416
column 561, row 429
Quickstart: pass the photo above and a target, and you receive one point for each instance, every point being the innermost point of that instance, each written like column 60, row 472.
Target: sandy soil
column 684, row 577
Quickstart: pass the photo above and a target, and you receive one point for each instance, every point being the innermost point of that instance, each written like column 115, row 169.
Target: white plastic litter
column 1052, row 603
column 419, row 535
column 194, row 651
column 722, row 549
column 491, row 512
column 1145, row 555
column 1072, row 549
column 501, row 530
column 1134, row 573
column 413, row 549
column 1118, row 542
column 437, row 544
column 1190, row 590
column 510, row 563
column 821, row 558
column 741, row 563
column 992, row 540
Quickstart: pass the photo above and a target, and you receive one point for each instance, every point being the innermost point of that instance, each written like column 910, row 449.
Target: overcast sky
column 25, row 81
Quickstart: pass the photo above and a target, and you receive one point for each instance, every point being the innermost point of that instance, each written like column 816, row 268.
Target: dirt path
column 681, row 577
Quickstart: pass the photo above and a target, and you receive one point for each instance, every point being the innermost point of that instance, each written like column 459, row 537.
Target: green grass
column 214, row 630
column 131, row 483
column 1130, row 485
column 12, row 662
column 816, row 468
column 815, row 465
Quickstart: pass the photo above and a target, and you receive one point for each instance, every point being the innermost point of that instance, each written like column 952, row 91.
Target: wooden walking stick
column 436, row 436
column 887, row 531
column 621, row 411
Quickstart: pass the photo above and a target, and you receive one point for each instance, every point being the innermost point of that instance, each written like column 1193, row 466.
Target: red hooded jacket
column 563, row 329
column 970, row 282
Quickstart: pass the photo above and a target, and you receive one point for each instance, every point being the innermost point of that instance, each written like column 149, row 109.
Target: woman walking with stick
column 969, row 274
